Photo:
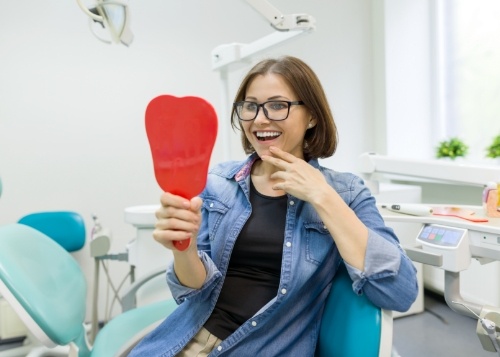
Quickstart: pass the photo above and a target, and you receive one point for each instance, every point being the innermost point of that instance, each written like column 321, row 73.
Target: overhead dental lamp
column 286, row 26
column 109, row 21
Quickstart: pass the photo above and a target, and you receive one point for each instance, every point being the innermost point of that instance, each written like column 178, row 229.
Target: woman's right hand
column 177, row 218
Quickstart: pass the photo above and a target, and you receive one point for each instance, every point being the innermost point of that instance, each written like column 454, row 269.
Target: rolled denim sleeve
column 388, row 278
column 181, row 292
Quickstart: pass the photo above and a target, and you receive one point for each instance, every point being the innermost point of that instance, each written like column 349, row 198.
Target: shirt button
column 254, row 323
column 283, row 291
column 288, row 244
column 211, row 205
column 219, row 348
column 292, row 203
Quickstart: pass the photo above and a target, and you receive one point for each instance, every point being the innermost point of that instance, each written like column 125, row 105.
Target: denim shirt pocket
column 215, row 212
column 318, row 241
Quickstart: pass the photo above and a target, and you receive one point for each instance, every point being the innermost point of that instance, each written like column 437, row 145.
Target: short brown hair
column 321, row 140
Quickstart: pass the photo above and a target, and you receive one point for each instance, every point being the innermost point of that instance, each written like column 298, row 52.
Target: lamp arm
column 278, row 20
column 88, row 13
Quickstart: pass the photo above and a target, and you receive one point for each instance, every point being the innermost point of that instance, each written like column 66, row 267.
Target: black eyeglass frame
column 290, row 103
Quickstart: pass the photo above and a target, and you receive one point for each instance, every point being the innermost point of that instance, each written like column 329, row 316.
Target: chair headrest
column 65, row 227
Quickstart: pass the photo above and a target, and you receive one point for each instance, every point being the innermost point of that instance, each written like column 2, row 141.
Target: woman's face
column 288, row 134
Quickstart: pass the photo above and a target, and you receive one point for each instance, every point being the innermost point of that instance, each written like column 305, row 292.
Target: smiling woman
column 300, row 87
column 269, row 233
column 270, row 127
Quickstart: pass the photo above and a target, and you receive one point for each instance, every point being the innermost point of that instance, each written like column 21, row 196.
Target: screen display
column 441, row 235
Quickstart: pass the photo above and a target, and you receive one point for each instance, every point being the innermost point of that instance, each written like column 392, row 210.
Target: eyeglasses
column 273, row 110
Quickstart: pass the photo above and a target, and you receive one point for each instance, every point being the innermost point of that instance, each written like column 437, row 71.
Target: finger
column 169, row 218
column 169, row 199
column 178, row 224
column 280, row 164
column 196, row 203
column 282, row 154
column 166, row 238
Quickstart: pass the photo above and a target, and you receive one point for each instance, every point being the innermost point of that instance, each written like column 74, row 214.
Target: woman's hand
column 296, row 177
column 177, row 219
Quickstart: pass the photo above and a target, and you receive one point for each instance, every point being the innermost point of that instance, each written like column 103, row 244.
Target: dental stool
column 47, row 288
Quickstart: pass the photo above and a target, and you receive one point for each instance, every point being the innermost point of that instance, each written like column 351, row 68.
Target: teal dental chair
column 66, row 228
column 47, row 289
column 351, row 325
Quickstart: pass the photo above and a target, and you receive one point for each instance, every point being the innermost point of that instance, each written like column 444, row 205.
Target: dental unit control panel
column 451, row 243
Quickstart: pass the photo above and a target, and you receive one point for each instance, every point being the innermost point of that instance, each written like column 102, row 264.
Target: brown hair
column 321, row 140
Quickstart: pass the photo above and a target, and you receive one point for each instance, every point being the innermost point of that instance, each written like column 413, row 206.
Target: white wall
column 72, row 108
column 405, row 120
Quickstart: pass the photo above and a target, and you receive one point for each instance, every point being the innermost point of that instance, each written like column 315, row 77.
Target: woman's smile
column 267, row 135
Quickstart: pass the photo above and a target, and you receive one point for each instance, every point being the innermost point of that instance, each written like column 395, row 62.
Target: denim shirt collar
column 246, row 168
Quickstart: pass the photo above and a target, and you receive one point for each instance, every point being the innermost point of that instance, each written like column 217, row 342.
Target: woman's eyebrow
column 270, row 98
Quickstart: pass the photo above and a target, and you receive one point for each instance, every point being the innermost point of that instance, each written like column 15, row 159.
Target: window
column 468, row 72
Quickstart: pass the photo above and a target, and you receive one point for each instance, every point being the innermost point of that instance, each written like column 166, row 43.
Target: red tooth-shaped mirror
column 181, row 133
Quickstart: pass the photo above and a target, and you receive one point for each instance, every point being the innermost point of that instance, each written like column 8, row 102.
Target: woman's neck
column 262, row 181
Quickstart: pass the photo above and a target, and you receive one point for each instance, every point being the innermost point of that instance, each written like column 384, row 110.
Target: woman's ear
column 312, row 123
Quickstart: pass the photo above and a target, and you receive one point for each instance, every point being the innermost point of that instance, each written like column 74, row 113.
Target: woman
column 269, row 233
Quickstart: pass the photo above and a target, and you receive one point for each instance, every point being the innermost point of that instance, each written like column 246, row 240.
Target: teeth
column 267, row 134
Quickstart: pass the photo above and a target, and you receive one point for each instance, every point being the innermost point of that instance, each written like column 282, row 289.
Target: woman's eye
column 278, row 106
column 250, row 106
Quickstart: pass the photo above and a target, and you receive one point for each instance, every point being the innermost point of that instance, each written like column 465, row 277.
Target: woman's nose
column 261, row 117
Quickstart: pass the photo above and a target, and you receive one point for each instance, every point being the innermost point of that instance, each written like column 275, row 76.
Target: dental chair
column 47, row 289
column 67, row 229
column 351, row 325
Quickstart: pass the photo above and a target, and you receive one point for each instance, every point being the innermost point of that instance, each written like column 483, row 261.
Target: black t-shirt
column 254, row 270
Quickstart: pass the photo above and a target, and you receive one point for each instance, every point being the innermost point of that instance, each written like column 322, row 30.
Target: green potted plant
column 493, row 150
column 452, row 149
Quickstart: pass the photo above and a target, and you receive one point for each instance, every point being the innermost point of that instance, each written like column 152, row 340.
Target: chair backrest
column 351, row 325
column 44, row 284
column 65, row 227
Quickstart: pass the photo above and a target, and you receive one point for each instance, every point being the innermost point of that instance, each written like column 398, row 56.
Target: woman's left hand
column 296, row 176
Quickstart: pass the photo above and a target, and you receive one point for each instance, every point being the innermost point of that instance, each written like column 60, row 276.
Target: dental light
column 111, row 16
column 286, row 26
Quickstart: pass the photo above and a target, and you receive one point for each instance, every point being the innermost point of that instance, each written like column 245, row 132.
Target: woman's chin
column 263, row 151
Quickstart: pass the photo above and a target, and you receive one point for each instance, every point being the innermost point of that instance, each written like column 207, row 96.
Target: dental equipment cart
column 451, row 244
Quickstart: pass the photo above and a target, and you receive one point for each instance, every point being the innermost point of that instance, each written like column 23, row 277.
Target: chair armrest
column 129, row 298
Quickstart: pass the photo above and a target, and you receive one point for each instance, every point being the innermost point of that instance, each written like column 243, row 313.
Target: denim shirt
column 290, row 322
